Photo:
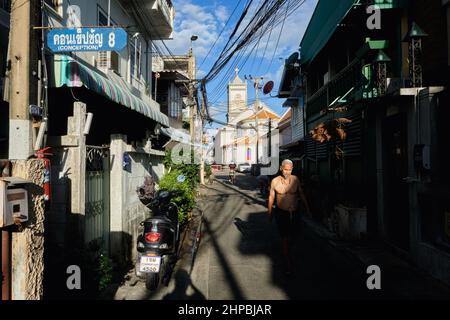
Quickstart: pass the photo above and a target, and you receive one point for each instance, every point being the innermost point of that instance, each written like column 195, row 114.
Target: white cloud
column 200, row 73
column 222, row 14
column 207, row 20
column 202, row 21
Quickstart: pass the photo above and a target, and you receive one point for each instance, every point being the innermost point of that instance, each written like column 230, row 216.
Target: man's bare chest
column 285, row 186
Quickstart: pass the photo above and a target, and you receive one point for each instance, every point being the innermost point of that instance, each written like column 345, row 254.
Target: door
column 396, row 191
column 97, row 197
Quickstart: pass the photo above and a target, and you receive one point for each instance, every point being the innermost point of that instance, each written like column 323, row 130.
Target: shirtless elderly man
column 287, row 191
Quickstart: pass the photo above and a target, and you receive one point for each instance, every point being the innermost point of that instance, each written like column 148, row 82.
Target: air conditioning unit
column 102, row 60
column 108, row 60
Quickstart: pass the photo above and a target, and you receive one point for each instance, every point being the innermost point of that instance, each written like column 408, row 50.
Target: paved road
column 239, row 257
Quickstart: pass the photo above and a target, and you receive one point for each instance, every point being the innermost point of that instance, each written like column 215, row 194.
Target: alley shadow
column 319, row 273
column 233, row 284
column 183, row 285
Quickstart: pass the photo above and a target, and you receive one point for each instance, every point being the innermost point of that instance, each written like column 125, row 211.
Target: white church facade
column 244, row 138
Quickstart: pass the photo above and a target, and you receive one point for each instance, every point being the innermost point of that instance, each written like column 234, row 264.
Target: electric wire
column 248, row 37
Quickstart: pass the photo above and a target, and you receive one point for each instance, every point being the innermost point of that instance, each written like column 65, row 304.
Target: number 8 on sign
column 112, row 39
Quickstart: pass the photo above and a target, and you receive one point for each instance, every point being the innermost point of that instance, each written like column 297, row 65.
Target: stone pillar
column 77, row 176
column 27, row 248
column 117, row 189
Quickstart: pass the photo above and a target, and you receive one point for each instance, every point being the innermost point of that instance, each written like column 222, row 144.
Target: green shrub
column 104, row 272
column 190, row 171
column 184, row 202
column 208, row 170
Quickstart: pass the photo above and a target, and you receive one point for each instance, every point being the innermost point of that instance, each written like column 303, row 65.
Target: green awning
column 324, row 21
column 72, row 73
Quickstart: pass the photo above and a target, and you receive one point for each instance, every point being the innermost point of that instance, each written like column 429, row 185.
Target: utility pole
column 257, row 85
column 192, row 76
column 23, row 76
column 191, row 110
column 203, row 113
column 270, row 139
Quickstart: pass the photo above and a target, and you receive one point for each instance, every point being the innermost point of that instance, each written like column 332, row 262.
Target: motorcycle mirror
column 141, row 191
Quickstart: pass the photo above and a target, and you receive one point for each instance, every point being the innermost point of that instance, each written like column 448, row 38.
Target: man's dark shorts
column 288, row 224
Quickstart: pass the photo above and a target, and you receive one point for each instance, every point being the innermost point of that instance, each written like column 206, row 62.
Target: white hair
column 287, row 161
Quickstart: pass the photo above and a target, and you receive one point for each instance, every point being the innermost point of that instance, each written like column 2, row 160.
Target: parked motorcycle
column 157, row 246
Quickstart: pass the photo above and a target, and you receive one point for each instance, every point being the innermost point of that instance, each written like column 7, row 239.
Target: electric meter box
column 13, row 201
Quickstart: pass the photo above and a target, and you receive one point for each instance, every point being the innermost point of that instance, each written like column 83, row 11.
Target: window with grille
column 135, row 58
column 55, row 5
column 102, row 18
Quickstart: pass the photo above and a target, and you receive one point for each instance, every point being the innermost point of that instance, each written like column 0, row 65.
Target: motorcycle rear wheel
column 152, row 281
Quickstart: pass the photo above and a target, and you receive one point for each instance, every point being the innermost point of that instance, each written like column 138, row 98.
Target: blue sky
column 207, row 19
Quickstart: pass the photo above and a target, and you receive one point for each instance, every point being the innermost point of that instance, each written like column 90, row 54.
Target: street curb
column 330, row 239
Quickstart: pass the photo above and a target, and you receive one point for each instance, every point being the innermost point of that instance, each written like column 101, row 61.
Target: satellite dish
column 292, row 58
column 268, row 87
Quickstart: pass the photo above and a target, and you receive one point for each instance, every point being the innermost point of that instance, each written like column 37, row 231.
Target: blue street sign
column 87, row 39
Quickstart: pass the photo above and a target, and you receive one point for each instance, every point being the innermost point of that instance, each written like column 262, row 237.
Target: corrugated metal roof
column 327, row 15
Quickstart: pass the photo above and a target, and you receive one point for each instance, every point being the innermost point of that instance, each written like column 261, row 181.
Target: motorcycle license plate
column 150, row 264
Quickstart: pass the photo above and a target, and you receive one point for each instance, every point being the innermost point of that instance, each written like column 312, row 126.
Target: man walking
column 287, row 191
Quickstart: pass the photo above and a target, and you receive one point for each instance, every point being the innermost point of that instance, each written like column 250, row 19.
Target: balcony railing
column 166, row 10
column 350, row 77
column 154, row 17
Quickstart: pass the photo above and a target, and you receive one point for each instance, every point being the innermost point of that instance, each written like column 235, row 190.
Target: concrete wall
column 421, row 130
column 28, row 245
column 434, row 261
column 68, row 180
column 286, row 135
column 126, row 209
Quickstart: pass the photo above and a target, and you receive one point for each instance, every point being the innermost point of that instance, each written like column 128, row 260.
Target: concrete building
column 374, row 102
column 104, row 131
column 174, row 89
column 247, row 124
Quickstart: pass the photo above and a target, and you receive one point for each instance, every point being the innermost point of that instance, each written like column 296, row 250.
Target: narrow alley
column 239, row 258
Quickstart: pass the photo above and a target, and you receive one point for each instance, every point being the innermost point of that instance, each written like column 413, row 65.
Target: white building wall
column 89, row 16
column 286, row 136
column 126, row 209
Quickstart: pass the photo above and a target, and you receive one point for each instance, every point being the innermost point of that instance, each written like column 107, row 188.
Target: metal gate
column 97, row 197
